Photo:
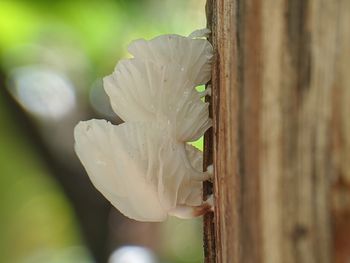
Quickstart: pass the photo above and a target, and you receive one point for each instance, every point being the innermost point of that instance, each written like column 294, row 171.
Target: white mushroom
column 140, row 168
column 192, row 54
column 144, row 166
column 141, row 90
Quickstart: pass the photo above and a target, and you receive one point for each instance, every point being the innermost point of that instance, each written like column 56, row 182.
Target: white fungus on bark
column 145, row 167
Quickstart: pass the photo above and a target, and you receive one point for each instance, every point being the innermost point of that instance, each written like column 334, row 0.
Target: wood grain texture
column 281, row 109
column 340, row 146
column 227, row 184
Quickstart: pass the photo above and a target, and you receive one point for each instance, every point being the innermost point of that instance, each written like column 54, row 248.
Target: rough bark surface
column 281, row 134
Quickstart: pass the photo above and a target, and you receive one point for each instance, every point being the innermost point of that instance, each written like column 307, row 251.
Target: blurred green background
column 53, row 55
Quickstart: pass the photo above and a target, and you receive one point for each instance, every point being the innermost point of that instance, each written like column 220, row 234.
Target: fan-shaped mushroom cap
column 139, row 167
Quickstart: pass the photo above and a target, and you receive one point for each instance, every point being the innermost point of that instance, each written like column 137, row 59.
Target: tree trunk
column 281, row 134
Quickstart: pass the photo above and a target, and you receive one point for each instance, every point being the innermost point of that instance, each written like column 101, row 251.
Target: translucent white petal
column 141, row 90
column 176, row 185
column 138, row 167
column 115, row 164
column 192, row 117
column 193, row 55
column 192, row 190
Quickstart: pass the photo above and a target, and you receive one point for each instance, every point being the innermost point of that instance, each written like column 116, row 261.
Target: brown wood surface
column 281, row 134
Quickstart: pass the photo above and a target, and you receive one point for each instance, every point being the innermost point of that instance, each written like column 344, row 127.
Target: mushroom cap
column 139, row 167
column 141, row 90
column 193, row 55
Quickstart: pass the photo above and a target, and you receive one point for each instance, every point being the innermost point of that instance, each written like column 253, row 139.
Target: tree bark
column 281, row 134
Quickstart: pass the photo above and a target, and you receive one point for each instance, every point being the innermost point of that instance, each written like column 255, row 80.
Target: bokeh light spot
column 43, row 92
column 132, row 254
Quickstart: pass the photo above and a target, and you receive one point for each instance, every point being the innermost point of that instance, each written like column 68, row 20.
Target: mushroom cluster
column 145, row 166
